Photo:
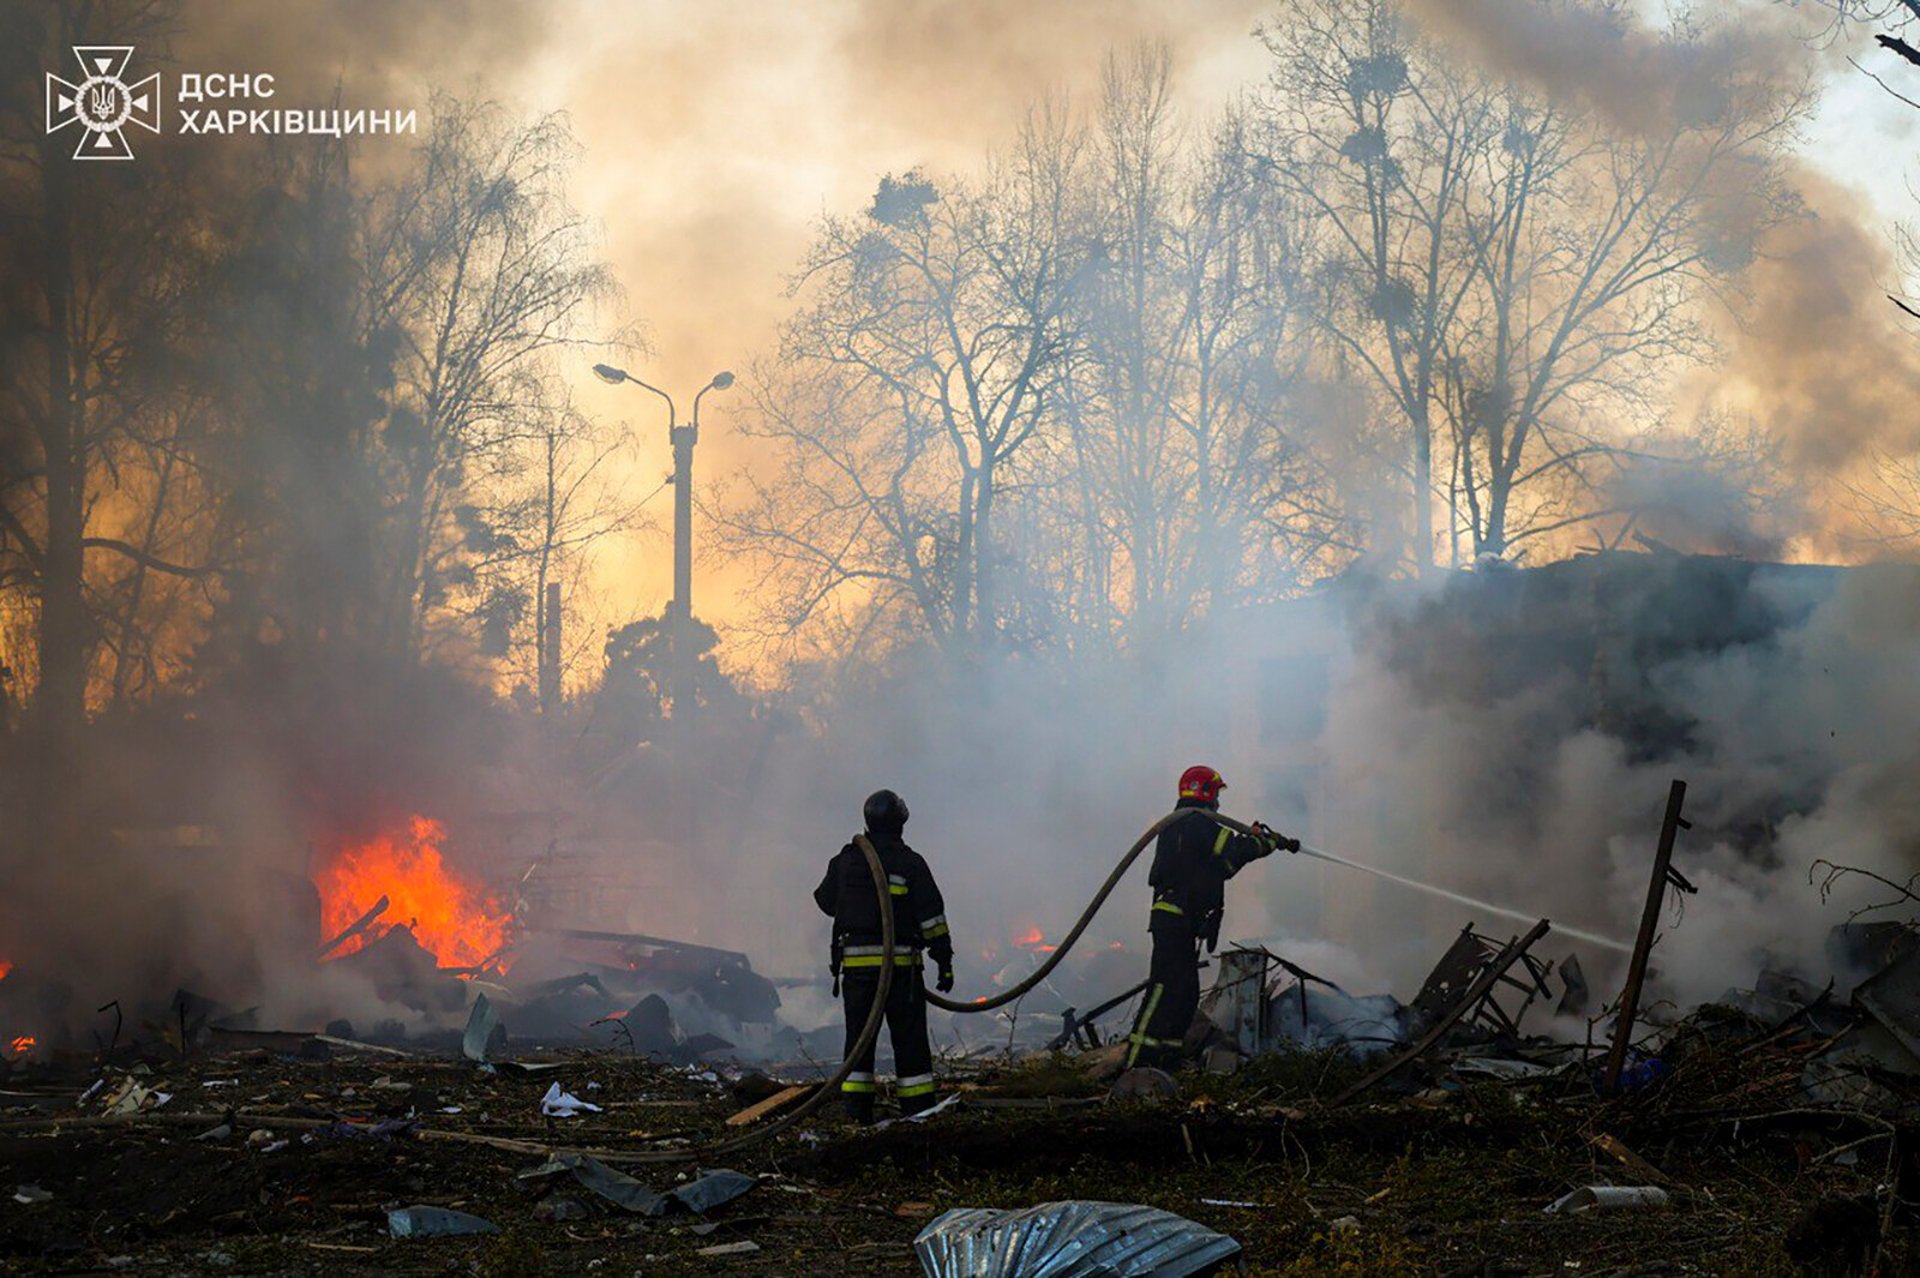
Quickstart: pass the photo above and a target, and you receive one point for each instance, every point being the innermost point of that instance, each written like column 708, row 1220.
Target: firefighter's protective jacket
column 919, row 913
column 1192, row 861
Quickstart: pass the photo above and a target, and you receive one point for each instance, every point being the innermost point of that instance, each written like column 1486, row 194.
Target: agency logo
column 103, row 103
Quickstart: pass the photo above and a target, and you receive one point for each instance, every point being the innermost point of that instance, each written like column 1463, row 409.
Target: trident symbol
column 103, row 103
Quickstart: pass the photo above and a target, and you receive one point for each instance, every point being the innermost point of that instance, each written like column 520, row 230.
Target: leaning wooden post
column 1663, row 874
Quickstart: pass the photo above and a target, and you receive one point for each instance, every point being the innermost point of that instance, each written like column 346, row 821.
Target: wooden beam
column 1670, row 827
column 1475, row 992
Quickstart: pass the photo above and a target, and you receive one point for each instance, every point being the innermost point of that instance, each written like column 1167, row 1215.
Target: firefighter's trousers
column 906, row 1029
column 1172, row 997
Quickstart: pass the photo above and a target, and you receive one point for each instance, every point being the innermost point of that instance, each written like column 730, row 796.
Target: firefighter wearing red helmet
column 1192, row 862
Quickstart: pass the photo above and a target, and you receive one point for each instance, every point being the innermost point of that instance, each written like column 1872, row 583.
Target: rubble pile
column 1771, row 1131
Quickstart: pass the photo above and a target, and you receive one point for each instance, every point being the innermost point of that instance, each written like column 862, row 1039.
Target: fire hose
column 868, row 1032
column 871, row 1030
column 876, row 1014
column 1040, row 973
column 1152, row 832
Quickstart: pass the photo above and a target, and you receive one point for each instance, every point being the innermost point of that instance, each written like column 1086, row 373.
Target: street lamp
column 684, row 437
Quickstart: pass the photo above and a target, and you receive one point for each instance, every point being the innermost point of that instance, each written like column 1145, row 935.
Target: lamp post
column 680, row 611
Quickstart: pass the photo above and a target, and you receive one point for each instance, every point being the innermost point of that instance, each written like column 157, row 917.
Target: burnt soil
column 1450, row 1181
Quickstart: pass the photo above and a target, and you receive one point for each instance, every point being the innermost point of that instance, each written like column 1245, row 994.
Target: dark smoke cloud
column 1603, row 57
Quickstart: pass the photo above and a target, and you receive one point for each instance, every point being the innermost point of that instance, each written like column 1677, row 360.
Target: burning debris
column 450, row 917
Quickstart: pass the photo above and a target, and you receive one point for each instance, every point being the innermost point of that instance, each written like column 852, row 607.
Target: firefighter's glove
column 1274, row 840
column 945, row 983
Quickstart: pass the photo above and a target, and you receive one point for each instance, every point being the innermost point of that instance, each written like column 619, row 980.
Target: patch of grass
column 1286, row 1076
column 517, row 1254
column 1358, row 1253
column 1043, row 1074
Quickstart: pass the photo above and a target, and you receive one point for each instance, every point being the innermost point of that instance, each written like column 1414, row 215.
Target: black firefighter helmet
column 886, row 812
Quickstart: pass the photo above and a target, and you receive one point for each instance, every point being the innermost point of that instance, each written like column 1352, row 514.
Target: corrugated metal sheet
column 1070, row 1240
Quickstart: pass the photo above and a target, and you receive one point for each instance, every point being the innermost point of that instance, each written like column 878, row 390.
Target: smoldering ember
column 965, row 638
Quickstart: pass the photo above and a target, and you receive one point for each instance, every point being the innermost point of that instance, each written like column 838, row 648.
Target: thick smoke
column 1027, row 780
column 1394, row 726
column 1812, row 348
column 1783, row 735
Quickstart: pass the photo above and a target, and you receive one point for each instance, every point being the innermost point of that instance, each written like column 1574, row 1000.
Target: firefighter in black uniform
column 1192, row 861
column 919, row 924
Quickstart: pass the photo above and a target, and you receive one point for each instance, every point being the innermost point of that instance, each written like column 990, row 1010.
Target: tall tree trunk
column 1423, row 492
column 60, row 703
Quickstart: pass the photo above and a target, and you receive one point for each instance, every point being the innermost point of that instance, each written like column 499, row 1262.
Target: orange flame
column 25, row 1043
column 451, row 916
column 6, row 968
column 1032, row 936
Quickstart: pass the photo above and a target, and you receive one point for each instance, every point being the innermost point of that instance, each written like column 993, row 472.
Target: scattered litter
column 218, row 1132
column 766, row 1105
column 710, row 1190
column 29, row 1194
column 1610, row 1198
column 1496, row 1067
column 1124, row 1240
column 385, row 1130
column 1345, row 1225
column 480, row 1025
column 1641, row 1071
column 1616, row 1149
column 435, row 1222
column 1227, row 1202
column 730, row 1249
column 131, row 1097
column 713, row 1189
column 945, row 1104
column 616, row 1187
column 559, row 1104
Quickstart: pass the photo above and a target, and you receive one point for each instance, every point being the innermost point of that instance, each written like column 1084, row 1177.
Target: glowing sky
column 714, row 133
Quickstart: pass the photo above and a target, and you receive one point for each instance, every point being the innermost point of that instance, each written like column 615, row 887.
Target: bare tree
column 478, row 269
column 1593, row 251
column 919, row 367
column 90, row 276
column 1383, row 144
column 1178, row 454
column 1518, row 276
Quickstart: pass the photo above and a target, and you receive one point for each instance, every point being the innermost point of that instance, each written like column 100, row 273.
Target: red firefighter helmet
column 1202, row 783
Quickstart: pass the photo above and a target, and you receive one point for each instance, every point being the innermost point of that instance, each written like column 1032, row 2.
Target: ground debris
column 1443, row 1168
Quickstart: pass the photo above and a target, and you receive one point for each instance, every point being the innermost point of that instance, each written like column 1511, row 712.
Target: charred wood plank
column 354, row 929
